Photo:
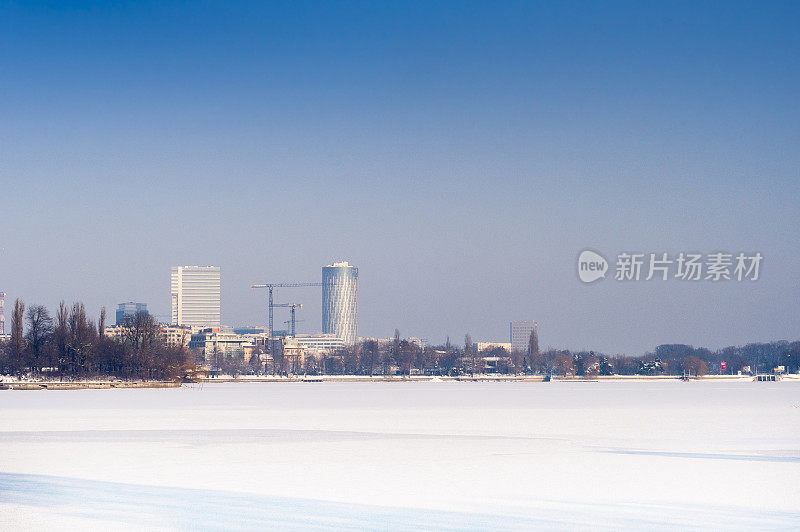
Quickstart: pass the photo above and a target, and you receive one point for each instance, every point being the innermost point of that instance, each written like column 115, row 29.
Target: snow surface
column 401, row 456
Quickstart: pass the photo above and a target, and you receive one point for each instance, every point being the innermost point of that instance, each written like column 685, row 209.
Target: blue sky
column 461, row 154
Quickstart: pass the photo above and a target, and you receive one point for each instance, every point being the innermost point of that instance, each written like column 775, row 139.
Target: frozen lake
column 397, row 456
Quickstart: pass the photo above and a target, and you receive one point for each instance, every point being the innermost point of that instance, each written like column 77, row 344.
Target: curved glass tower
column 340, row 301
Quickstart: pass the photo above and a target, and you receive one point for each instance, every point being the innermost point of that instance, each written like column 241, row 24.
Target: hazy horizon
column 460, row 154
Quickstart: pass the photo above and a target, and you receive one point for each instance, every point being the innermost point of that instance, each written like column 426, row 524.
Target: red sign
column 723, row 365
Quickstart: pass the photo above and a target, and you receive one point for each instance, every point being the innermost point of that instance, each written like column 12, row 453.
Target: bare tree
column 429, row 360
column 385, row 357
column 61, row 337
column 519, row 362
column 255, row 360
column 278, row 359
column 564, row 364
column 470, row 353
column 533, row 344
column 449, row 360
column 40, row 332
column 17, row 344
column 371, row 349
column 349, row 356
column 81, row 339
column 693, row 365
column 406, row 356
column 142, row 336
column 396, row 347
column 310, row 364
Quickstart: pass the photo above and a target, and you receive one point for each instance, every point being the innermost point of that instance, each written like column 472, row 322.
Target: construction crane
column 271, row 286
column 287, row 322
column 293, row 307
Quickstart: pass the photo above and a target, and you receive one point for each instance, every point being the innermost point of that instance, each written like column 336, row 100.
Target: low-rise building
column 488, row 346
column 171, row 334
column 176, row 334
column 213, row 342
column 322, row 342
column 385, row 342
column 293, row 353
column 250, row 330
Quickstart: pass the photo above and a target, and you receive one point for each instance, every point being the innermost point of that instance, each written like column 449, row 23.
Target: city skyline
column 339, row 303
column 461, row 156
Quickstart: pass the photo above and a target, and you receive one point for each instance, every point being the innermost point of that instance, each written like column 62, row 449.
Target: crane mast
column 292, row 307
column 271, row 287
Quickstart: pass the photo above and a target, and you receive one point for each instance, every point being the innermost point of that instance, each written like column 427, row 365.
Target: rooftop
column 343, row 264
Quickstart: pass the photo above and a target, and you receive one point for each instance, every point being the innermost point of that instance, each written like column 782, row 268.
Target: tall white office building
column 195, row 296
column 340, row 301
column 521, row 334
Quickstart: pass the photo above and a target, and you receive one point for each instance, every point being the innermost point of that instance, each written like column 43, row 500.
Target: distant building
column 383, row 342
column 340, row 301
column 295, row 350
column 489, row 359
column 325, row 342
column 249, row 330
column 211, row 342
column 176, row 334
column 195, row 296
column 521, row 334
column 293, row 353
column 171, row 334
column 488, row 346
column 129, row 309
column 114, row 331
column 495, row 364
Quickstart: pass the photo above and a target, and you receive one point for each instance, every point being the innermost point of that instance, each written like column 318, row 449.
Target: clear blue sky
column 461, row 154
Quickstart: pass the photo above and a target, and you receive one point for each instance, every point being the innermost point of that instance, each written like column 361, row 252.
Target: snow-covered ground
column 397, row 456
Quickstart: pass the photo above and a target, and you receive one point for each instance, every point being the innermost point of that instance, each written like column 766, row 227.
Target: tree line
column 71, row 346
column 404, row 357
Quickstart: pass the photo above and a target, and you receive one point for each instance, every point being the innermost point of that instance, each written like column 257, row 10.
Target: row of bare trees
column 72, row 346
column 396, row 356
column 404, row 357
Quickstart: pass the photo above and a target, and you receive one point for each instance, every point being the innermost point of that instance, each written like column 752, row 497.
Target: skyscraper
column 129, row 309
column 521, row 334
column 340, row 301
column 195, row 296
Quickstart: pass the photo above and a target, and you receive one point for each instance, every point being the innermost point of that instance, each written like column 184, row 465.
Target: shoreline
column 102, row 385
column 476, row 378
column 84, row 385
